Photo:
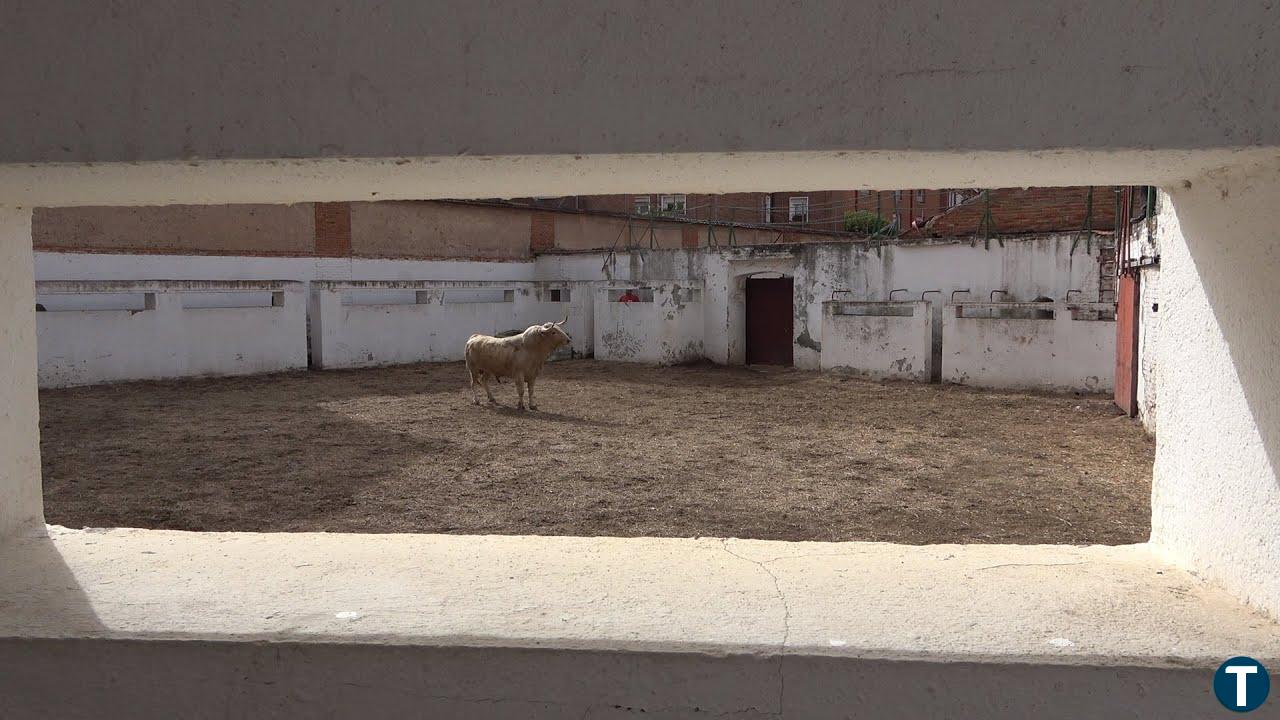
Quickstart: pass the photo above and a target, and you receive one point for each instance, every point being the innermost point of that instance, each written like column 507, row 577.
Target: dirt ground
column 616, row 449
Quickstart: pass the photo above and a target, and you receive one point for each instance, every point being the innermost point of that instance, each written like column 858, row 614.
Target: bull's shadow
column 542, row 415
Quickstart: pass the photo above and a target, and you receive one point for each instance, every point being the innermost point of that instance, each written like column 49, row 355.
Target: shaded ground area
column 617, row 449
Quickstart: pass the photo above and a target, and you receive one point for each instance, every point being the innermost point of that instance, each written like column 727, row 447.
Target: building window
column 799, row 209
column 768, row 208
column 642, row 205
column 673, row 204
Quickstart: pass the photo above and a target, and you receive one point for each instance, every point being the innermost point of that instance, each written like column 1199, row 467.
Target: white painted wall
column 1059, row 353
column 1149, row 354
column 1025, row 268
column 582, row 266
column 1216, row 496
column 21, row 509
column 167, row 338
column 667, row 331
column 346, row 334
column 884, row 340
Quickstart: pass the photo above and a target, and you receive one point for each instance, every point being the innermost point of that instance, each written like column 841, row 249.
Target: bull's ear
column 547, row 326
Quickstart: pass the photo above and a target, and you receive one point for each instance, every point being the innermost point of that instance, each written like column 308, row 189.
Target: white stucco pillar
column 1216, row 497
column 21, row 507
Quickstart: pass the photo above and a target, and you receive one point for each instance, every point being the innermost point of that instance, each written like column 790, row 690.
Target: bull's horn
column 565, row 320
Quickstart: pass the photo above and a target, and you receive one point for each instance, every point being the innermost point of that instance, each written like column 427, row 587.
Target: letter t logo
column 1242, row 673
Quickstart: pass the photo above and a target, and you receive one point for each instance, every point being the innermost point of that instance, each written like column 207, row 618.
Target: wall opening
column 770, row 315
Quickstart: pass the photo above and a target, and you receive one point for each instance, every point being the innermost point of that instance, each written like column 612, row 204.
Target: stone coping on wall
column 73, row 287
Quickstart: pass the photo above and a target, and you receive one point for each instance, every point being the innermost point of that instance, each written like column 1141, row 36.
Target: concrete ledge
column 499, row 626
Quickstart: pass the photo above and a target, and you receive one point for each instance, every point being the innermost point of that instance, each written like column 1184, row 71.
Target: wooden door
column 1126, row 393
column 769, row 321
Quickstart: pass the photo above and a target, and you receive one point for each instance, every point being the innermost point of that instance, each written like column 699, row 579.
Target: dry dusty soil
column 616, row 449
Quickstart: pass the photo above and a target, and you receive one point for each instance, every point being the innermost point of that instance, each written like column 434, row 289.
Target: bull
column 519, row 357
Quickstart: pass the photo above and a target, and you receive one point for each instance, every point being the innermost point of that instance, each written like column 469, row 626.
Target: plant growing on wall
column 864, row 221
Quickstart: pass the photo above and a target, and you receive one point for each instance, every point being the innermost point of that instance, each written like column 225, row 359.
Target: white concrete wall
column 1216, row 496
column 168, row 338
column 1060, row 353
column 21, row 509
column 887, row 340
column 1025, row 268
column 1149, row 353
column 667, row 331
column 346, row 333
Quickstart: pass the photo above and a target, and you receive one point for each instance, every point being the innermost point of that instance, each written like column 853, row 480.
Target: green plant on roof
column 864, row 221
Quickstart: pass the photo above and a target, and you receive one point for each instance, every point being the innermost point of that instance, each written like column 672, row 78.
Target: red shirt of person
column 628, row 297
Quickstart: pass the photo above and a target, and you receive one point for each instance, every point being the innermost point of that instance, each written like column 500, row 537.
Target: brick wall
column 177, row 229
column 333, row 229
column 690, row 237
column 542, row 231
column 1029, row 210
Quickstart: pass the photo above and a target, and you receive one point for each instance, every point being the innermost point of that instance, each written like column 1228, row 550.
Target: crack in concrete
column 786, row 621
column 780, row 558
column 992, row 567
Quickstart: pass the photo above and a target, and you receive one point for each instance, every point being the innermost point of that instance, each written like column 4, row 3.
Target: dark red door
column 769, row 321
column 1127, row 344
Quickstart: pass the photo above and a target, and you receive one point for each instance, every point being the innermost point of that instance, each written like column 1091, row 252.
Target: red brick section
column 689, row 237
column 1029, row 210
column 542, row 231
column 333, row 229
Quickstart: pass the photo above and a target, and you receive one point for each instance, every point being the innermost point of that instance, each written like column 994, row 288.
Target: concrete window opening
column 732, row 451
column 210, row 300
column 1006, row 311
column 556, row 295
column 377, row 297
column 81, row 302
column 874, row 310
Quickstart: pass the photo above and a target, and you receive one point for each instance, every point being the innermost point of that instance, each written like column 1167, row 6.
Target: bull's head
column 553, row 333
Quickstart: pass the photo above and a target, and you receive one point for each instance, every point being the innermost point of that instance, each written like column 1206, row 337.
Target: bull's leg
column 520, row 391
column 484, row 382
column 471, row 376
column 532, row 405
